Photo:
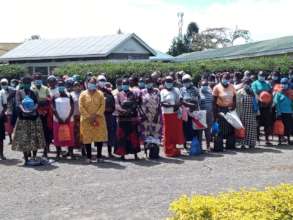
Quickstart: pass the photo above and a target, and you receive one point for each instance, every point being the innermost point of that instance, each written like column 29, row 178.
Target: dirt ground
column 71, row 189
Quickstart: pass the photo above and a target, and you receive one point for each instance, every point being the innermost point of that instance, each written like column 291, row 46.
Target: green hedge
column 195, row 68
column 12, row 71
column 144, row 68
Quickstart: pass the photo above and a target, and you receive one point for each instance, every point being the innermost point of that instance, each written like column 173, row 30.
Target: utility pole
column 180, row 24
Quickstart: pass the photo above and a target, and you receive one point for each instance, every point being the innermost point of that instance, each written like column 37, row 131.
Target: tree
column 192, row 29
column 178, row 46
column 218, row 38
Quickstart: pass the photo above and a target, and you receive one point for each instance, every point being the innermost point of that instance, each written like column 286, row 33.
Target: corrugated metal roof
column 99, row 46
column 276, row 46
column 161, row 57
column 5, row 47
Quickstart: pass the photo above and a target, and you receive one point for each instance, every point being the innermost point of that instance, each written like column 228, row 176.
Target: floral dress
column 151, row 109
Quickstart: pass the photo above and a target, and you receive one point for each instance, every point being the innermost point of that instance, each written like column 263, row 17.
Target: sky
column 155, row 21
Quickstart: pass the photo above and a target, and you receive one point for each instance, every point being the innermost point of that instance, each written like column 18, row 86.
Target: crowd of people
column 74, row 113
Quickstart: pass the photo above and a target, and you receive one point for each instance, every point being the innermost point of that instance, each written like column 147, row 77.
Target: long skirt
column 63, row 134
column 9, row 124
column 127, row 138
column 249, row 122
column 172, row 134
column 248, row 118
column 28, row 135
column 111, row 122
column 2, row 129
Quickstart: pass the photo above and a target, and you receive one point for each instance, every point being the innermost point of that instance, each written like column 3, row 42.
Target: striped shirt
column 206, row 99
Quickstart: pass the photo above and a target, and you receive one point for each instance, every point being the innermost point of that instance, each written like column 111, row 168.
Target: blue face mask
column 61, row 89
column 125, row 88
column 141, row 85
column 187, row 84
column 92, row 86
column 168, row 85
column 205, row 88
column 38, row 82
column 225, row 82
column 149, row 85
column 275, row 78
column 285, row 86
column 261, row 78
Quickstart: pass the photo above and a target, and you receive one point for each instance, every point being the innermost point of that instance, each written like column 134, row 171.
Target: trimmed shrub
column 196, row 68
column 272, row 203
column 12, row 71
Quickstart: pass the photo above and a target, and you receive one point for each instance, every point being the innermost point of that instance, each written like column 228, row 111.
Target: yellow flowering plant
column 274, row 203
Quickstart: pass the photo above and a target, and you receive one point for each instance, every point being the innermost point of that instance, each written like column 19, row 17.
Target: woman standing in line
column 172, row 124
column 109, row 110
column 266, row 115
column 206, row 103
column 76, row 115
column 224, row 101
column 151, row 126
column 284, row 111
column 247, row 111
column 191, row 102
column 127, row 133
column 29, row 135
column 63, row 107
column 93, row 126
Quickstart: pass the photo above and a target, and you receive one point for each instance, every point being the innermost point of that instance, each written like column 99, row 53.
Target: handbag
column 240, row 133
column 199, row 120
column 64, row 132
column 279, row 128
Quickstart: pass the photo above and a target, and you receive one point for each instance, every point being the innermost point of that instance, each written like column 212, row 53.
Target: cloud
column 155, row 21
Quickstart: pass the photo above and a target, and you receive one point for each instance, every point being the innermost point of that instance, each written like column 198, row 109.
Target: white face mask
column 101, row 84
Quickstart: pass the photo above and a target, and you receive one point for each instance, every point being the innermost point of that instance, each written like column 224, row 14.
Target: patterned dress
column 28, row 135
column 151, row 108
column 127, row 132
column 244, row 106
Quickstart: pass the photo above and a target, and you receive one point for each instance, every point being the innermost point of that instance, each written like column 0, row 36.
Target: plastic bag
column 240, row 133
column 233, row 119
column 199, row 120
column 195, row 148
column 279, row 128
column 64, row 132
column 28, row 104
column 215, row 128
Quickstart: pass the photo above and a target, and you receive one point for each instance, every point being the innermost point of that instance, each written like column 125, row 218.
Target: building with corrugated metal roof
column 275, row 47
column 162, row 57
column 43, row 55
